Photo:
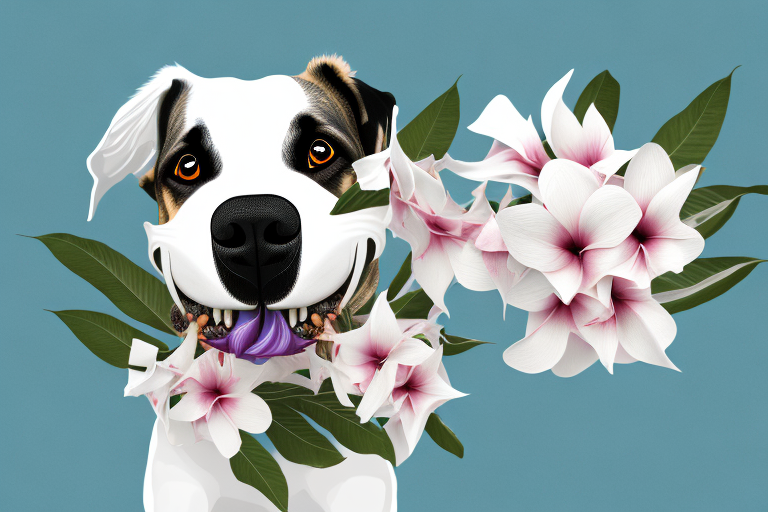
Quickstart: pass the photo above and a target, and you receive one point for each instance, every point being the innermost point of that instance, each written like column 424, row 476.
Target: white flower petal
column 610, row 165
column 428, row 190
column 588, row 315
column 378, row 391
column 396, row 433
column 192, row 406
column 643, row 330
column 622, row 357
column 609, row 216
column 565, row 187
column 500, row 120
column 663, row 212
column 553, row 97
column 533, row 292
column 410, row 352
column 142, row 354
column 568, row 139
column 534, row 237
column 683, row 245
column 410, row 227
column 223, row 432
column 382, row 325
column 649, row 171
column 597, row 141
column 248, row 412
column 544, row 347
column 434, row 273
column 372, row 171
column 401, row 164
column 688, row 168
column 141, row 383
column 626, row 260
column 469, row 266
column 183, row 357
column 578, row 356
column 489, row 239
column 567, row 281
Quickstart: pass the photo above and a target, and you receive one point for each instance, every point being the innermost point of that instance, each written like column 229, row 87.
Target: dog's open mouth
column 307, row 322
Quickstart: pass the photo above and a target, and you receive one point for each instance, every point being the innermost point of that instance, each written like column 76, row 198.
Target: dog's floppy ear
column 131, row 142
column 371, row 108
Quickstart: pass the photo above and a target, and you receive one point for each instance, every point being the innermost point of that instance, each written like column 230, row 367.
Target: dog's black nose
column 257, row 247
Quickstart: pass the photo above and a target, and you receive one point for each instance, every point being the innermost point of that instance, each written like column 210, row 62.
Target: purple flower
column 260, row 334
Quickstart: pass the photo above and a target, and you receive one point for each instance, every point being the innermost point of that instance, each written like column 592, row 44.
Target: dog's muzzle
column 256, row 242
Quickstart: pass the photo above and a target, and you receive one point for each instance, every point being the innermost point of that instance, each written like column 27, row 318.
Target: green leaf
column 253, row 465
column 432, row 131
column 453, row 345
column 415, row 304
column 603, row 91
column 274, row 391
column 132, row 289
column 526, row 199
column 367, row 307
column 548, row 150
column 688, row 136
column 298, row 441
column 700, row 281
column 342, row 422
column 444, row 436
column 708, row 208
column 355, row 199
column 107, row 337
column 400, row 279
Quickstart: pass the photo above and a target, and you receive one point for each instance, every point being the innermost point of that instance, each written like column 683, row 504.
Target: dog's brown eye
column 320, row 153
column 187, row 169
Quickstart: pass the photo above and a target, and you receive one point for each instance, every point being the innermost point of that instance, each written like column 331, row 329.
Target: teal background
column 644, row 439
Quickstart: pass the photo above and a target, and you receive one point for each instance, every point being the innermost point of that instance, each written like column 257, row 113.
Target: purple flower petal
column 260, row 334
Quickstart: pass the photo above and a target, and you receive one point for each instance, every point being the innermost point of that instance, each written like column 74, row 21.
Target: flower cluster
column 581, row 256
column 399, row 376
column 215, row 390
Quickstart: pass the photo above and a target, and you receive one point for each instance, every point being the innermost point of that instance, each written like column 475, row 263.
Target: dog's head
column 245, row 175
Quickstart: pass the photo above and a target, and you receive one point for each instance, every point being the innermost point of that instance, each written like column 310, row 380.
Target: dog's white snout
column 256, row 242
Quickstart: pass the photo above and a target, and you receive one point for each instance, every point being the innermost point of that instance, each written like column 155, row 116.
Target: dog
column 245, row 175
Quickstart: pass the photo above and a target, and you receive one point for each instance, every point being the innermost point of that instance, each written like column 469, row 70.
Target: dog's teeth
column 228, row 318
column 216, row 316
column 302, row 314
column 292, row 316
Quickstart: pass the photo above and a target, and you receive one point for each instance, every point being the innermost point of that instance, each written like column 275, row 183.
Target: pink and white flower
column 421, row 390
column 371, row 355
column 437, row 229
column 217, row 397
column 423, row 214
column 568, row 338
column 517, row 155
column 589, row 143
column 578, row 216
column 661, row 242
column 639, row 328
column 488, row 265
